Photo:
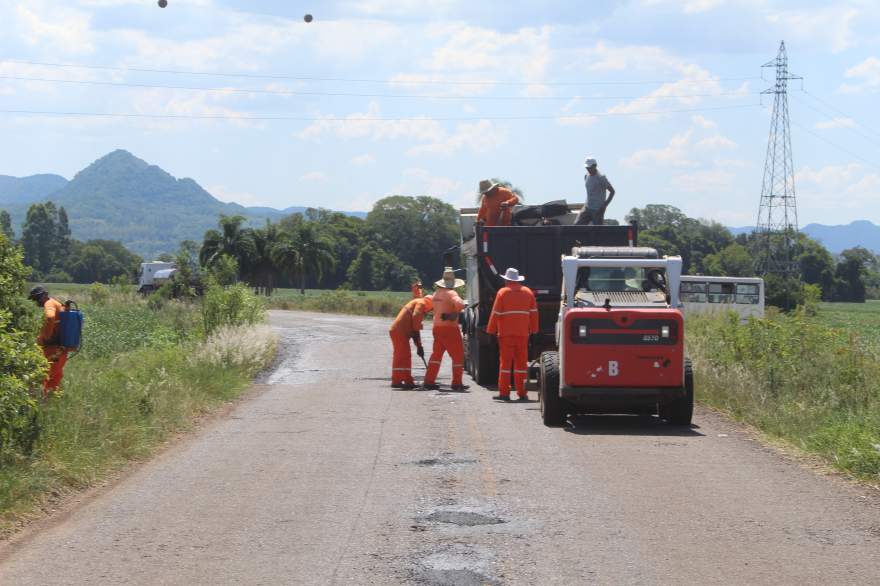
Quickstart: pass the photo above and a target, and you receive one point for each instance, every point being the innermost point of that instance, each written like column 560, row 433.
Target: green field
column 862, row 319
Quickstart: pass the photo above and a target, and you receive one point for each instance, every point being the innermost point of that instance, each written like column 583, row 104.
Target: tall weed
column 794, row 378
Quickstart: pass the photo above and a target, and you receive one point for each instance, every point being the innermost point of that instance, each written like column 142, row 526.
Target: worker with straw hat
column 447, row 333
column 514, row 317
column 496, row 204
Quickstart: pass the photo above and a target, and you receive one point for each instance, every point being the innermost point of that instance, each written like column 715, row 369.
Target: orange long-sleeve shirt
column 515, row 312
column 409, row 318
column 447, row 301
column 491, row 213
column 48, row 335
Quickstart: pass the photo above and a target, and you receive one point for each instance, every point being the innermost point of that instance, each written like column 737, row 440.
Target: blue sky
column 430, row 96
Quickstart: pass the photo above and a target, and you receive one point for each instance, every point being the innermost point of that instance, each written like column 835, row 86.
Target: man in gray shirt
column 597, row 186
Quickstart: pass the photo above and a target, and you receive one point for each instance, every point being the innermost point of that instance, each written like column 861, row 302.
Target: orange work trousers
column 446, row 340
column 401, row 363
column 57, row 359
column 515, row 356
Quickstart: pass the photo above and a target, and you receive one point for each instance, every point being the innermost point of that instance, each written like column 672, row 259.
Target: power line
column 356, row 95
column 290, row 118
column 837, row 146
column 300, row 77
column 837, row 110
column 854, row 129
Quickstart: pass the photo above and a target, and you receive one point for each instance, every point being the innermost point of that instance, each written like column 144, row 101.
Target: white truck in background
column 153, row 275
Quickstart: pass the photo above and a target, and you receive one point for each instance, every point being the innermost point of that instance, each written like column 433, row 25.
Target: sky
column 428, row 97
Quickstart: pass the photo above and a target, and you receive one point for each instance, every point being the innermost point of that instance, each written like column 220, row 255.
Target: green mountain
column 29, row 189
column 120, row 197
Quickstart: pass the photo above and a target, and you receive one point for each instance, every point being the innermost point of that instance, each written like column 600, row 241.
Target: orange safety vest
column 409, row 318
column 515, row 312
column 491, row 213
column 447, row 301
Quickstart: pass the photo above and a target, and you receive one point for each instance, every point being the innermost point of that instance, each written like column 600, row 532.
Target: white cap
column 590, row 162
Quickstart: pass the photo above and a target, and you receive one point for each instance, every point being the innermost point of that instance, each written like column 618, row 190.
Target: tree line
column 401, row 239
column 709, row 248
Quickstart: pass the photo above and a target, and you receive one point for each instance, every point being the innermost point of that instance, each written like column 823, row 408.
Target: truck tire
column 484, row 363
column 552, row 407
column 681, row 410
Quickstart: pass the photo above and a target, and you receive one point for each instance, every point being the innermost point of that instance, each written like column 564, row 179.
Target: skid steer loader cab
column 620, row 338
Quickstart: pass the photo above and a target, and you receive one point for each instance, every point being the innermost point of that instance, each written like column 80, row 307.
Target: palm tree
column 263, row 267
column 231, row 240
column 305, row 253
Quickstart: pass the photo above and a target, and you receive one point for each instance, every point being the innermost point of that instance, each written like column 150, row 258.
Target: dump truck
column 619, row 340
column 536, row 242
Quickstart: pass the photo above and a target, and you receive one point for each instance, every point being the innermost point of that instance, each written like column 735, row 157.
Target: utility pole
column 777, row 225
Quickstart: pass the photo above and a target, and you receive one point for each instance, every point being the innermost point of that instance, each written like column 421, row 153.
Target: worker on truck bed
column 514, row 318
column 597, row 186
column 496, row 204
column 407, row 326
column 447, row 333
column 49, row 338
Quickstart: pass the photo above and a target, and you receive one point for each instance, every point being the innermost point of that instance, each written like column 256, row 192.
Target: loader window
column 614, row 279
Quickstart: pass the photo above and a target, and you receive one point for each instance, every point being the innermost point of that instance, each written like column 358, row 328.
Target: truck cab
column 153, row 275
column 619, row 338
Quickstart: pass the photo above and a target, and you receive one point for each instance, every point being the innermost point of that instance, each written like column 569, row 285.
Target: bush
column 230, row 306
column 58, row 276
column 22, row 366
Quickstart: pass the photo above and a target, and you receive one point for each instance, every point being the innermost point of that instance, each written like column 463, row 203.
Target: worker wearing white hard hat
column 599, row 195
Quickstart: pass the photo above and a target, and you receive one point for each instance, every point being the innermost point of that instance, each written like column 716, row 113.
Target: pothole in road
column 444, row 460
column 454, row 578
column 464, row 518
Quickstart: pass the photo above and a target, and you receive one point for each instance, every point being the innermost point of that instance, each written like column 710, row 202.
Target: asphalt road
column 327, row 476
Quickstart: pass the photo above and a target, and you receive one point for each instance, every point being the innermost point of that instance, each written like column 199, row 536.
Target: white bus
column 703, row 294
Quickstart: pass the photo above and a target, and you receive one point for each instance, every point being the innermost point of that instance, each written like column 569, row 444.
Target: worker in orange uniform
column 447, row 333
column 416, row 289
column 49, row 338
column 496, row 205
column 514, row 317
column 407, row 326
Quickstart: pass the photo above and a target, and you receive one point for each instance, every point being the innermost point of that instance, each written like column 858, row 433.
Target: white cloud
column 702, row 121
column 833, row 189
column 716, row 141
column 674, row 154
column 314, row 177
column 867, row 73
column 837, row 122
column 372, row 125
column 390, row 8
column 68, row 31
column 419, row 181
column 687, row 6
column 479, row 137
column 364, row 159
column 228, row 195
column 831, row 25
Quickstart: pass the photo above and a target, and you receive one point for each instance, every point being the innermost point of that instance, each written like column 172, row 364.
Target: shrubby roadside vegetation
column 145, row 372
column 795, row 378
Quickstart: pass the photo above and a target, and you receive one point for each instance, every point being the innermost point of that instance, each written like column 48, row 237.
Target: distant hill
column 120, row 197
column 837, row 238
column 29, row 189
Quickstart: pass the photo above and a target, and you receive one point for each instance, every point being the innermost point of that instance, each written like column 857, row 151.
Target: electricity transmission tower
column 777, row 225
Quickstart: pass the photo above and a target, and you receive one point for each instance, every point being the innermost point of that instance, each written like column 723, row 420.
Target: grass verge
column 797, row 379
column 142, row 376
column 375, row 303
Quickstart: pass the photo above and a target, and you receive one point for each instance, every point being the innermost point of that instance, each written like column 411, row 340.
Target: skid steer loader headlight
column 664, row 331
column 582, row 331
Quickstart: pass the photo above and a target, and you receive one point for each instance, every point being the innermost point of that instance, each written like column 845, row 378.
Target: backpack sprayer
column 70, row 326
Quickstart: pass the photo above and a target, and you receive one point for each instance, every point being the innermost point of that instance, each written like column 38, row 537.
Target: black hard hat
column 37, row 292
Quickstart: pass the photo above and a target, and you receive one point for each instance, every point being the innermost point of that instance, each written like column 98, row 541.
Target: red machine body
column 627, row 348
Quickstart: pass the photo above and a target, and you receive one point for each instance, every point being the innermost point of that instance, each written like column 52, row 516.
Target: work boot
column 460, row 388
column 396, row 385
column 408, row 386
column 523, row 399
column 502, row 397
column 431, row 386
